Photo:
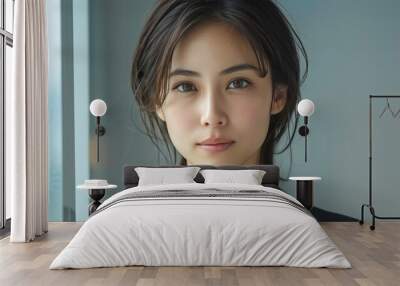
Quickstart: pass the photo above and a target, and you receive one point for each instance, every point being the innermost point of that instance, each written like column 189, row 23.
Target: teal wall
column 55, row 141
column 68, row 29
column 115, row 28
column 81, row 102
column 353, row 52
column 67, row 100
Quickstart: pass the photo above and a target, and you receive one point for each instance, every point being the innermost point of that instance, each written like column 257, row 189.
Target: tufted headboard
column 270, row 179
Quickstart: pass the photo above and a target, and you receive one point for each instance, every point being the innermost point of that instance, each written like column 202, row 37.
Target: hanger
column 387, row 107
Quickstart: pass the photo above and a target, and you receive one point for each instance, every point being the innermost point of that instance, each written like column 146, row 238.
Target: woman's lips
column 216, row 147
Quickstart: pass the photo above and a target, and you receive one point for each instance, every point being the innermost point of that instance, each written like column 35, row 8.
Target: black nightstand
column 97, row 189
column 304, row 190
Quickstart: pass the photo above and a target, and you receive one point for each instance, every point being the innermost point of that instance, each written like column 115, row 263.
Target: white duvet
column 200, row 231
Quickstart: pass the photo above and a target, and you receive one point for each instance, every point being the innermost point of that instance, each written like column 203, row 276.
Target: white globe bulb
column 305, row 107
column 98, row 107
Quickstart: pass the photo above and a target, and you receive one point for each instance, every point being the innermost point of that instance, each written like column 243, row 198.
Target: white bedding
column 206, row 231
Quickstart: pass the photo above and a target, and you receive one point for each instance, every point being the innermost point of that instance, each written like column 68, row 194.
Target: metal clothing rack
column 369, row 205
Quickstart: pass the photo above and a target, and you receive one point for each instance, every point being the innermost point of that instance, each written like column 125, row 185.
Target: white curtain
column 26, row 116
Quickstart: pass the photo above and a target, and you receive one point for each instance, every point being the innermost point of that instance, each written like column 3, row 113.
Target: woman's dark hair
column 263, row 24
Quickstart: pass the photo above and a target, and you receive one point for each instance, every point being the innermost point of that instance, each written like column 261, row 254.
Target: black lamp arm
column 100, row 131
column 303, row 131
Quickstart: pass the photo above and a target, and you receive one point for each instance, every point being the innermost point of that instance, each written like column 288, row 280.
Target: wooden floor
column 374, row 255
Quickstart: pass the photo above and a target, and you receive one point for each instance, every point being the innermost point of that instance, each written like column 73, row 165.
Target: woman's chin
column 214, row 161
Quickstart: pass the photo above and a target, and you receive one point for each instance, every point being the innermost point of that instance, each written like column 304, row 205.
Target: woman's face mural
column 216, row 91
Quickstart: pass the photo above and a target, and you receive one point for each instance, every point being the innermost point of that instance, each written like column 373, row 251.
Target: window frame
column 6, row 38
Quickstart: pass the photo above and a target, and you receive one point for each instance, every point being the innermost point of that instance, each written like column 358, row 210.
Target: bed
column 201, row 223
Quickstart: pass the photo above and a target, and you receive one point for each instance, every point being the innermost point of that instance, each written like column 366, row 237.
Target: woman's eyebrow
column 231, row 69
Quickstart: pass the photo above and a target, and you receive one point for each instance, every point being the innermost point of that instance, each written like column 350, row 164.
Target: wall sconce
column 306, row 109
column 98, row 108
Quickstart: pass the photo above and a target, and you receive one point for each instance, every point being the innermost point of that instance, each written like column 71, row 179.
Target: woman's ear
column 160, row 113
column 279, row 99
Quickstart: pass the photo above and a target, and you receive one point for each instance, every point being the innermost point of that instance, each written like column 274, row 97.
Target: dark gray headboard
column 270, row 179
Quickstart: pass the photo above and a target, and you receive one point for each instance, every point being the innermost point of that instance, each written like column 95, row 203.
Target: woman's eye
column 184, row 87
column 238, row 83
column 188, row 87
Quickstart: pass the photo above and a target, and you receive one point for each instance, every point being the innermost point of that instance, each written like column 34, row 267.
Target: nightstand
column 304, row 190
column 97, row 189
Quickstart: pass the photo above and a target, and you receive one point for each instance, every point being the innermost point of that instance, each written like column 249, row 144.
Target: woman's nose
column 213, row 113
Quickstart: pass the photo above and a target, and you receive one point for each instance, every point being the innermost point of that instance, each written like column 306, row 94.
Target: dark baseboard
column 324, row 215
column 5, row 231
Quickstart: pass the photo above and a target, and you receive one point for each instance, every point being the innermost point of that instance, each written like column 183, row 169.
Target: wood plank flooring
column 374, row 255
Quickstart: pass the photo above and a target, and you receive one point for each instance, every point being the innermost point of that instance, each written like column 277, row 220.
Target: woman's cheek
column 254, row 119
column 255, row 110
column 181, row 119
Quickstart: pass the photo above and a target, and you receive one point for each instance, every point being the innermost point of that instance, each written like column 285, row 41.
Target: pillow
column 249, row 177
column 162, row 176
